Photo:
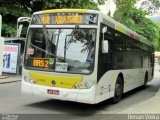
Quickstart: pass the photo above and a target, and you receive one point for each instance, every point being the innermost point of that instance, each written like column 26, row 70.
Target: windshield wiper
column 41, row 49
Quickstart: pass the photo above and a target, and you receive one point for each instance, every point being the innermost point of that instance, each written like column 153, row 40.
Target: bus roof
column 123, row 29
column 105, row 19
column 67, row 10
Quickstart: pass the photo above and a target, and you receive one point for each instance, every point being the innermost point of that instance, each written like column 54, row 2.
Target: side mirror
column 104, row 30
column 19, row 30
column 105, row 46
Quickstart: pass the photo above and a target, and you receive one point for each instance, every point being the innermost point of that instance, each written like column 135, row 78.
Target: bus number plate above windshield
column 68, row 19
column 43, row 63
column 65, row 18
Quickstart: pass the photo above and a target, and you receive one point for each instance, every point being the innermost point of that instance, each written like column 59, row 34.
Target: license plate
column 54, row 92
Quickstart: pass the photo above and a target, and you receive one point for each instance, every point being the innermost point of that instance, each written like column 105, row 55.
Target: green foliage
column 136, row 20
column 81, row 4
column 8, row 29
column 10, row 11
column 125, row 4
column 157, row 41
column 9, row 18
column 151, row 6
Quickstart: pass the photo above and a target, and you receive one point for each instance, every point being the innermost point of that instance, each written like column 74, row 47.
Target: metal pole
column 1, row 47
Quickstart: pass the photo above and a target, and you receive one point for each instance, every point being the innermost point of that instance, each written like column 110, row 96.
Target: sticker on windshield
column 63, row 67
column 30, row 51
column 51, row 61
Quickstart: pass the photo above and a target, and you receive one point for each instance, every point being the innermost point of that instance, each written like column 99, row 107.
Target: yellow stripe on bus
column 65, row 10
column 119, row 28
column 55, row 81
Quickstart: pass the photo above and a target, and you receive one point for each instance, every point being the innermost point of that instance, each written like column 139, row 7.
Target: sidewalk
column 9, row 78
column 151, row 106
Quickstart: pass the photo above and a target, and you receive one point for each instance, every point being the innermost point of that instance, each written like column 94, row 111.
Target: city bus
column 84, row 56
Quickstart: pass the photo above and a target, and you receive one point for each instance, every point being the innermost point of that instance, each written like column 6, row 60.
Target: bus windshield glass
column 61, row 50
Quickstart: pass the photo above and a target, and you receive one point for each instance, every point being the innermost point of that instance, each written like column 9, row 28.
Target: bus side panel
column 133, row 78
column 105, row 86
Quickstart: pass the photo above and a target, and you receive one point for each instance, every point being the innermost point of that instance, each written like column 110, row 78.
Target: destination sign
column 69, row 19
column 65, row 18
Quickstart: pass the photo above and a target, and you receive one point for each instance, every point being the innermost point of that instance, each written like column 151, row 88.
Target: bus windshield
column 61, row 50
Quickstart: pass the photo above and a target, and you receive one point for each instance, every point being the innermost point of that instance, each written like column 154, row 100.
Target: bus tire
column 145, row 80
column 118, row 90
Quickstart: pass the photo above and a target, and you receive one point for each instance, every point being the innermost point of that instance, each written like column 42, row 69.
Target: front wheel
column 118, row 91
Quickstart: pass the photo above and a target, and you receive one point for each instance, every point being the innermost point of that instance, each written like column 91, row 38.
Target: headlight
column 82, row 85
column 29, row 80
column 26, row 79
column 87, row 85
column 78, row 86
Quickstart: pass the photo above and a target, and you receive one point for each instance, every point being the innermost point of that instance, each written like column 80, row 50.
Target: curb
column 135, row 109
column 4, row 77
column 4, row 82
column 9, row 79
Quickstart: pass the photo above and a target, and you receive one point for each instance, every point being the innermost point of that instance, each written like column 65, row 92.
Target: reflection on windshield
column 63, row 50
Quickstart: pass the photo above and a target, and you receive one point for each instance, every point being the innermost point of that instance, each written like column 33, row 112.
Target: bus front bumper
column 77, row 95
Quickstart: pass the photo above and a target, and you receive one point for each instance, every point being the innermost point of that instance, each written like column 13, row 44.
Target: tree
column 81, row 4
column 12, row 9
column 151, row 6
column 136, row 20
column 157, row 42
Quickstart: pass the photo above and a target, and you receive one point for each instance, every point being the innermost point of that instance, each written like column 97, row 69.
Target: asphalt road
column 12, row 101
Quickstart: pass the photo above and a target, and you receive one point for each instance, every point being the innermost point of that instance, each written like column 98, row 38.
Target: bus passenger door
column 104, row 59
column 105, row 64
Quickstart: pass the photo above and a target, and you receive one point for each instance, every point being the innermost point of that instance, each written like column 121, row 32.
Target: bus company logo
column 53, row 82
